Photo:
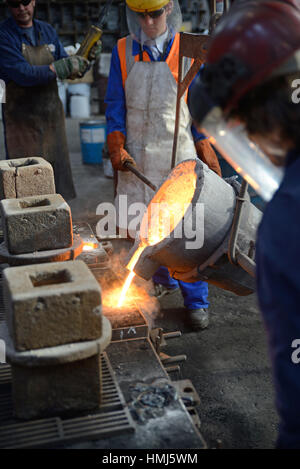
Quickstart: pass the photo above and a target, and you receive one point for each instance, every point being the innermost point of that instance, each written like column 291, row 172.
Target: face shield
column 229, row 137
column 168, row 18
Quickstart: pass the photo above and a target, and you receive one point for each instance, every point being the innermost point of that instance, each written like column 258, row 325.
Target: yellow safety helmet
column 146, row 5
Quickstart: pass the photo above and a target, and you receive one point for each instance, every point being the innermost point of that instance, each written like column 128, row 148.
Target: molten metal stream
column 165, row 211
column 125, row 288
column 131, row 274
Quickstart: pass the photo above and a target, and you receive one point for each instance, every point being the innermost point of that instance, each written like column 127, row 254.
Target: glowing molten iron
column 89, row 246
column 165, row 211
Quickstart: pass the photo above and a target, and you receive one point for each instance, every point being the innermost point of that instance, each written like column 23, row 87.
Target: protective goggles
column 152, row 14
column 13, row 4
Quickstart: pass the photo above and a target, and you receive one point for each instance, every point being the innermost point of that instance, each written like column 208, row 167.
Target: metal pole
column 177, row 115
column 140, row 175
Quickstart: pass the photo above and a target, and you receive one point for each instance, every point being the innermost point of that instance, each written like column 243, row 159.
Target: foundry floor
column 227, row 363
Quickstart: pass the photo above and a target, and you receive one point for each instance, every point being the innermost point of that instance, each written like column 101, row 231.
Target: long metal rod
column 177, row 115
column 138, row 174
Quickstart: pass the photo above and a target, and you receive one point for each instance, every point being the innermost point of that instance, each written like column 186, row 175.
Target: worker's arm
column 205, row 151
column 14, row 67
column 115, row 97
column 116, row 115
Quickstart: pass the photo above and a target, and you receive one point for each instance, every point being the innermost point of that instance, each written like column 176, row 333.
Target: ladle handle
column 140, row 175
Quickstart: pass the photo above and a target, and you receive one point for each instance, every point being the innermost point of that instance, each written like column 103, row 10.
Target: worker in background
column 31, row 58
column 261, row 91
column 141, row 105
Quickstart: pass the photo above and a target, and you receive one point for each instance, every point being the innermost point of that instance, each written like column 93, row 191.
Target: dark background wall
column 71, row 18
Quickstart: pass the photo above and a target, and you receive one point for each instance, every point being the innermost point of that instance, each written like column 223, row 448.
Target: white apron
column 151, row 92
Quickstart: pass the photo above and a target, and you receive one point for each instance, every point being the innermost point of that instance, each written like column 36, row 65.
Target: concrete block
column 51, row 304
column 54, row 390
column 38, row 223
column 25, row 177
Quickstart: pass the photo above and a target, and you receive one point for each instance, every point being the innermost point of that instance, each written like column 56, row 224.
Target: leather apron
column 151, row 92
column 35, row 122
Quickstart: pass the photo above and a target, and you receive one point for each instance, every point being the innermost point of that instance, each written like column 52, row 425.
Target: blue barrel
column 92, row 139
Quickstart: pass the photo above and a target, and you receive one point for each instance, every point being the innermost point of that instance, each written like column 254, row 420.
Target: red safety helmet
column 248, row 45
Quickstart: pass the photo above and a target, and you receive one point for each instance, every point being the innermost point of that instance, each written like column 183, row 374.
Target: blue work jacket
column 13, row 66
column 278, row 286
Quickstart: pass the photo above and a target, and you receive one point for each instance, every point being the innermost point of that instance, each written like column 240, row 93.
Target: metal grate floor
column 55, row 431
column 112, row 418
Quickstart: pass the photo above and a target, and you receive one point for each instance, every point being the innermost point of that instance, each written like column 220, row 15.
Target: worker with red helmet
column 248, row 102
column 141, row 104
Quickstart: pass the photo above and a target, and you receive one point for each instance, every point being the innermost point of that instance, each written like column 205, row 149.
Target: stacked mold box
column 54, row 331
column 55, row 336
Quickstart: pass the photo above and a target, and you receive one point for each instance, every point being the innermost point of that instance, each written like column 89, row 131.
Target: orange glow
column 131, row 275
column 89, row 246
column 135, row 257
column 251, row 182
column 164, row 213
column 169, row 204
column 125, row 288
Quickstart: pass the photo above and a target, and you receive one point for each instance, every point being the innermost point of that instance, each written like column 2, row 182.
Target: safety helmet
column 250, row 43
column 134, row 8
column 254, row 42
column 146, row 5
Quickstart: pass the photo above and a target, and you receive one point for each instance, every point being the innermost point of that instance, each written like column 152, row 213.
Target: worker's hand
column 207, row 154
column 118, row 155
column 71, row 67
column 95, row 51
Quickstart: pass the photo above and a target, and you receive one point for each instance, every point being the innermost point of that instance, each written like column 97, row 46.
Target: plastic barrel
column 80, row 107
column 92, row 139
column 80, row 100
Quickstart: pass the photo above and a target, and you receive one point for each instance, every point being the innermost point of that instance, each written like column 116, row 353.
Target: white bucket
column 82, row 89
column 80, row 106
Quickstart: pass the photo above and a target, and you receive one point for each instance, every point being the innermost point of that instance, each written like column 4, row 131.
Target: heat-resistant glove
column 71, row 67
column 117, row 152
column 95, row 51
column 207, row 154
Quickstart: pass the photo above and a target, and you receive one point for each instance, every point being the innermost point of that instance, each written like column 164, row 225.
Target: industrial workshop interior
column 135, row 312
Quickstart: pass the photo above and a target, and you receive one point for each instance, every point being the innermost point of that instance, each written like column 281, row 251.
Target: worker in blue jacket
column 31, row 58
column 141, row 104
column 262, row 93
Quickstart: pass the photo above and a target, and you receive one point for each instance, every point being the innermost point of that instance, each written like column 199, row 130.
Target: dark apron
column 35, row 122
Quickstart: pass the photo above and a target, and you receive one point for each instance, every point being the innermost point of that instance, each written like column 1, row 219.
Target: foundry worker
column 262, row 94
column 31, row 58
column 141, row 105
